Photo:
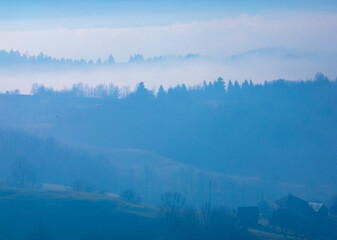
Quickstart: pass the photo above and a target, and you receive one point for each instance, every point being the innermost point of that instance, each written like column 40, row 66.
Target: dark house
column 301, row 217
column 248, row 215
column 293, row 203
column 308, row 210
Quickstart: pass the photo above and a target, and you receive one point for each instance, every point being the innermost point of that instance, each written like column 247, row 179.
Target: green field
column 36, row 214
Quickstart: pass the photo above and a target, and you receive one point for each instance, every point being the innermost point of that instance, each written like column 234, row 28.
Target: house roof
column 316, row 206
column 290, row 200
column 295, row 204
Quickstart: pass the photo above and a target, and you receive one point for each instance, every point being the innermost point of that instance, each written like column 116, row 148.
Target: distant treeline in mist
column 10, row 58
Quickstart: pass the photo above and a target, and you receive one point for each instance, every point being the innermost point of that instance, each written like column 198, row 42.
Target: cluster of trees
column 130, row 195
column 181, row 221
column 16, row 58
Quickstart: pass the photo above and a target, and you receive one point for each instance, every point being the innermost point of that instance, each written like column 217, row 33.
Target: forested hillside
column 282, row 131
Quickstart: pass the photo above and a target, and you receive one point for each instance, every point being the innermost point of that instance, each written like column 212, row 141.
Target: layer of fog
column 218, row 37
column 252, row 66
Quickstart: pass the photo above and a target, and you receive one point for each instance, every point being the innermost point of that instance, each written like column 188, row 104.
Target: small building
column 294, row 204
column 308, row 210
column 248, row 216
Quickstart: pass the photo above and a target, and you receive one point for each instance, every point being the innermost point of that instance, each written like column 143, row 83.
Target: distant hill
column 276, row 52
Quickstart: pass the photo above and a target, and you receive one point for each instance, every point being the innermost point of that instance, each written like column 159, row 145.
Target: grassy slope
column 7, row 194
column 66, row 215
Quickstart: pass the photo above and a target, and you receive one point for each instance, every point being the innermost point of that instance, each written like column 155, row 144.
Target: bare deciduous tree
column 172, row 206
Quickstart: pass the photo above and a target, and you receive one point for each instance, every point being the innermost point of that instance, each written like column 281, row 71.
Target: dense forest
column 279, row 131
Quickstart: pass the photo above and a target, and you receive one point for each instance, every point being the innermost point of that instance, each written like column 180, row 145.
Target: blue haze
column 279, row 133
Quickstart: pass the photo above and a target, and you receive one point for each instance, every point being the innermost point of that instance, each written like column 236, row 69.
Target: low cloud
column 257, row 68
column 314, row 32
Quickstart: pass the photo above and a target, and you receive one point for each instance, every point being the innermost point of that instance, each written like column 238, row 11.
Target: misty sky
column 213, row 29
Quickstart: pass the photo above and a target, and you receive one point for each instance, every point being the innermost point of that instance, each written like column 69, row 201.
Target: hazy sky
column 215, row 29
column 218, row 37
